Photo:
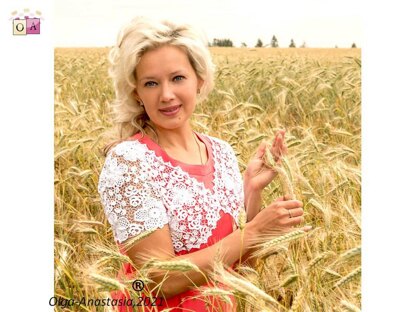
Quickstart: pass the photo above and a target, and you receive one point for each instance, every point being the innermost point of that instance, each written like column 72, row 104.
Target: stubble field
column 315, row 94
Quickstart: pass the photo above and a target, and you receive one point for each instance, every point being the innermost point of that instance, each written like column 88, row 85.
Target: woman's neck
column 182, row 138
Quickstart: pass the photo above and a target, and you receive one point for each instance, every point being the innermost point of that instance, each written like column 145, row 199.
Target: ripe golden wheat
column 315, row 94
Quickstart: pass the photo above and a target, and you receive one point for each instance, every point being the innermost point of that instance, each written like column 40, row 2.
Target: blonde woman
column 164, row 177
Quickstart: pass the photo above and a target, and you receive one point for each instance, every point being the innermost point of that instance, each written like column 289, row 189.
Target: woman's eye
column 178, row 78
column 150, row 84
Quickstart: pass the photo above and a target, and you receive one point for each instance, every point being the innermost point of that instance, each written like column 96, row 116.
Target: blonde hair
column 134, row 40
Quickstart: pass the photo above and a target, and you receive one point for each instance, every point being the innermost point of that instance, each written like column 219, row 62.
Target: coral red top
column 200, row 203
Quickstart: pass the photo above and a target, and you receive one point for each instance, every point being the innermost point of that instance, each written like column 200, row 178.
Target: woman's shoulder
column 130, row 149
column 216, row 140
column 219, row 143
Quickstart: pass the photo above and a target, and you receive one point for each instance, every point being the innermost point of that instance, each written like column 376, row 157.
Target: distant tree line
column 273, row 43
column 222, row 43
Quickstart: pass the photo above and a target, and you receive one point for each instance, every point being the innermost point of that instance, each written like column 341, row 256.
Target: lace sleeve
column 131, row 200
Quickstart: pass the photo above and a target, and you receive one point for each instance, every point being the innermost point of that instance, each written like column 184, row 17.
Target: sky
column 318, row 23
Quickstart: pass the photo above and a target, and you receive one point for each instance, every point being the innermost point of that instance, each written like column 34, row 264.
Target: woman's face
column 167, row 86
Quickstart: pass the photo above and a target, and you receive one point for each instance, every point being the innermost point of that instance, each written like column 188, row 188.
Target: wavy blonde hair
column 134, row 40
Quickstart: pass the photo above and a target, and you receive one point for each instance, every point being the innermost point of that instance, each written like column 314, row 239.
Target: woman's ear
column 137, row 97
column 200, row 84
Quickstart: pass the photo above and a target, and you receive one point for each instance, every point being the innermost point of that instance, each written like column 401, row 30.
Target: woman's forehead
column 167, row 59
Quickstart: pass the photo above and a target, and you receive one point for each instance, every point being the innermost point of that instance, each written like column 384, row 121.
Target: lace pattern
column 140, row 191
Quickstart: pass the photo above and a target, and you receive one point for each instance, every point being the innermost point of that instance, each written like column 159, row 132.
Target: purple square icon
column 33, row 26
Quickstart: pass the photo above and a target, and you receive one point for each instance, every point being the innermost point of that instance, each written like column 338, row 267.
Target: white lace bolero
column 140, row 192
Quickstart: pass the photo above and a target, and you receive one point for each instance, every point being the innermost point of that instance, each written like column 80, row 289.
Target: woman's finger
column 282, row 141
column 295, row 212
column 294, row 221
column 306, row 228
column 282, row 146
column 284, row 198
column 276, row 151
column 287, row 197
column 260, row 151
column 290, row 204
column 278, row 137
column 281, row 198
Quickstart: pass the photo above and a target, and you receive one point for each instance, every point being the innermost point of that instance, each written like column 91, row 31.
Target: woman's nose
column 167, row 93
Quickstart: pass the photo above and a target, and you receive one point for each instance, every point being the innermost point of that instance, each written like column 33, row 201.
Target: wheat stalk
column 293, row 235
column 349, row 307
column 106, row 282
column 282, row 174
column 242, row 219
column 297, row 301
column 273, row 246
column 241, row 285
column 131, row 242
column 289, row 280
column 182, row 265
column 349, row 277
column 314, row 262
column 217, row 292
column 348, row 255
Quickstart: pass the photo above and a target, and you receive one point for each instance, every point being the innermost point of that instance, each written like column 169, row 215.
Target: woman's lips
column 170, row 111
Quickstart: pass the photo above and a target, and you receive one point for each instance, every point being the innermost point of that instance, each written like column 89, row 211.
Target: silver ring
column 290, row 214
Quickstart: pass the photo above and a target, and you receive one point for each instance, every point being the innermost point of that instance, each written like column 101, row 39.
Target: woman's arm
column 175, row 282
column 252, row 201
column 159, row 245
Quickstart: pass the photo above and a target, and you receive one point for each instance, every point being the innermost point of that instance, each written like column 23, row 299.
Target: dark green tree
column 274, row 43
column 259, row 43
column 222, row 43
column 353, row 45
column 292, row 44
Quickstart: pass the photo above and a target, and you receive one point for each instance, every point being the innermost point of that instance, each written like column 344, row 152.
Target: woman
column 164, row 177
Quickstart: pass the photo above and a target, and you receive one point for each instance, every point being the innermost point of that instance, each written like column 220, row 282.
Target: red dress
column 195, row 232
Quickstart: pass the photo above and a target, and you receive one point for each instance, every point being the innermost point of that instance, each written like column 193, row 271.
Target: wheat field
column 315, row 94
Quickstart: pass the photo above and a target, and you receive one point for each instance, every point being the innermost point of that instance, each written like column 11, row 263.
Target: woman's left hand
column 257, row 175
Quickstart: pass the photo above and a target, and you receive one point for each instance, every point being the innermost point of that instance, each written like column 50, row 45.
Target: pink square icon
column 33, row 26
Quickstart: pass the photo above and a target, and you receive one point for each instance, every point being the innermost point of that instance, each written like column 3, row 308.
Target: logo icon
column 26, row 22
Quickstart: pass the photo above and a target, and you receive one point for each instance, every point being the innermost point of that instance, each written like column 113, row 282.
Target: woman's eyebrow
column 180, row 71
column 147, row 78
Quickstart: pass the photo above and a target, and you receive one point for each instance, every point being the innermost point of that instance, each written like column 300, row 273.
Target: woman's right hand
column 280, row 215
column 258, row 175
